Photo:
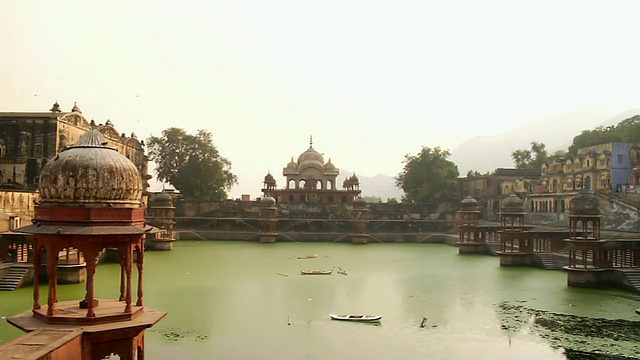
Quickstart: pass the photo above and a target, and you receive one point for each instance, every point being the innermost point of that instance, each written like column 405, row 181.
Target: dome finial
column 310, row 140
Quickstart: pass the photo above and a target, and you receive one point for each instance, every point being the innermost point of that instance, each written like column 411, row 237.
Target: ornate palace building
column 603, row 168
column 310, row 179
column 29, row 139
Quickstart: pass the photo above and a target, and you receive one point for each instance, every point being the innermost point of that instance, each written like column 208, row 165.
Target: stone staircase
column 633, row 276
column 549, row 261
column 493, row 248
column 12, row 279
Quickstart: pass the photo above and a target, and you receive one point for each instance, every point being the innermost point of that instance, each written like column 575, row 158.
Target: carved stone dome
column 163, row 198
column 268, row 201
column 359, row 203
column 311, row 155
column 512, row 204
column 90, row 173
column 468, row 203
column 585, row 203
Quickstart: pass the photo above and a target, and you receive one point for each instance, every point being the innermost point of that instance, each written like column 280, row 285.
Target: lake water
column 232, row 300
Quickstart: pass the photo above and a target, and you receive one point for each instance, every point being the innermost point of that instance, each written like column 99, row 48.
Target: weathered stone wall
column 15, row 203
column 617, row 214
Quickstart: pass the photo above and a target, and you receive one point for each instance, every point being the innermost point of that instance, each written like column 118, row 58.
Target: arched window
column 568, row 183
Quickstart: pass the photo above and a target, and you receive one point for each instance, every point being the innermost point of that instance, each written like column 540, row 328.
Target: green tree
column 530, row 159
column 372, row 199
column 428, row 177
column 473, row 174
column 192, row 164
column 627, row 130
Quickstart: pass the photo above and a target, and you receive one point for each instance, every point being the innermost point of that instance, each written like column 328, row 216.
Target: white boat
column 316, row 272
column 308, row 256
column 356, row 317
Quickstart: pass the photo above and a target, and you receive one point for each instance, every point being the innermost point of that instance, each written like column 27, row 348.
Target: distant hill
column 382, row 186
column 487, row 153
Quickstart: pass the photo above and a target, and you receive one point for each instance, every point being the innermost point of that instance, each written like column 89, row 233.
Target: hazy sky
column 370, row 80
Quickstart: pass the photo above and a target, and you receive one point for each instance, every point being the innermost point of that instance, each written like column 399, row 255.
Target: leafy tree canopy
column 627, row 130
column 192, row 164
column 428, row 177
column 473, row 174
column 372, row 199
column 532, row 158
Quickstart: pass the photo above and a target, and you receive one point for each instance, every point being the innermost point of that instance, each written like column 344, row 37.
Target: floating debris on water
column 423, row 323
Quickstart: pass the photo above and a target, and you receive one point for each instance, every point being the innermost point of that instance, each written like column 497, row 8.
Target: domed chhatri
column 90, row 172
column 585, row 203
column 269, row 184
column 269, row 180
column 90, row 200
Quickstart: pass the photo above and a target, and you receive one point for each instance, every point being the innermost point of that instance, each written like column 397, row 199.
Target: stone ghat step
column 12, row 279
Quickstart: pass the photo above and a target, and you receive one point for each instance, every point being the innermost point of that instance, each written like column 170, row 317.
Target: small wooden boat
column 356, row 317
column 308, row 256
column 316, row 272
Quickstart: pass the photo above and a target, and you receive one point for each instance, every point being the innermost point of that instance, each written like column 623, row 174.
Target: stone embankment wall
column 296, row 210
column 441, row 238
column 619, row 212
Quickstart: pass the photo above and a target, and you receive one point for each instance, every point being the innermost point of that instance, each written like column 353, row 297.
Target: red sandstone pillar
column 91, row 254
column 37, row 263
column 128, row 269
column 52, row 272
column 123, row 264
column 140, row 265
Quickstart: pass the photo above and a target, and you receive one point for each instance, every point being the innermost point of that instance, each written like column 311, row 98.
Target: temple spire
column 310, row 140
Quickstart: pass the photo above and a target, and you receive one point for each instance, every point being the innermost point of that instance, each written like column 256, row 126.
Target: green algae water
column 238, row 300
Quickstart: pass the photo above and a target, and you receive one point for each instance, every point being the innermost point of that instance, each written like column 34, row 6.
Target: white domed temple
column 310, row 179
